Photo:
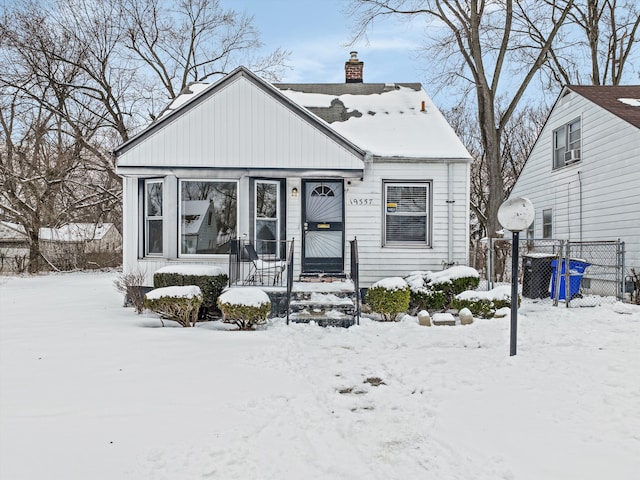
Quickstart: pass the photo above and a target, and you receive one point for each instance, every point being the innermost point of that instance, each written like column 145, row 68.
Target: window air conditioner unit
column 572, row 156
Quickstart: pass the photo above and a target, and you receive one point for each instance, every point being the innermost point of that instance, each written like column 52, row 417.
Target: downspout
column 450, row 202
column 580, row 205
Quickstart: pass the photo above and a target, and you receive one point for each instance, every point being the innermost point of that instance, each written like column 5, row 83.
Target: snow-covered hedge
column 484, row 304
column 435, row 290
column 210, row 279
column 179, row 303
column 246, row 307
column 453, row 280
column 389, row 297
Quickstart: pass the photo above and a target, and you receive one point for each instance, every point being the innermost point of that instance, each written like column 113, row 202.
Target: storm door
column 323, row 227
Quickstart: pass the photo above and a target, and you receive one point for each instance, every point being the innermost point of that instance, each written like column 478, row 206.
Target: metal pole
column 514, row 292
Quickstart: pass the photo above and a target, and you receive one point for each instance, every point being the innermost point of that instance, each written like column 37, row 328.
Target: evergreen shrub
column 389, row 297
column 211, row 286
column 180, row 304
column 246, row 307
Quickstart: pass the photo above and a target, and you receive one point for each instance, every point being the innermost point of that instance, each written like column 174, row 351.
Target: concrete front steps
column 328, row 303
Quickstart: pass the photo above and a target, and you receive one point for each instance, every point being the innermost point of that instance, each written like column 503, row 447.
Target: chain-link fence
column 557, row 271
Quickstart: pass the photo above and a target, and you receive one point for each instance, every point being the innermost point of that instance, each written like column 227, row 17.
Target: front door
column 323, row 226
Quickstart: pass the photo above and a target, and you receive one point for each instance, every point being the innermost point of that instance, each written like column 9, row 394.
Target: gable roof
column 621, row 100
column 198, row 92
column 380, row 119
column 386, row 119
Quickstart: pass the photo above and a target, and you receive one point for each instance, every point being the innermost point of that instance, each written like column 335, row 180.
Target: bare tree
column 76, row 82
column 519, row 136
column 480, row 46
column 604, row 32
column 193, row 40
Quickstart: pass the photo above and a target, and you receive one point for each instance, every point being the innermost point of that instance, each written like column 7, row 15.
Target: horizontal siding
column 609, row 173
column 365, row 222
column 240, row 126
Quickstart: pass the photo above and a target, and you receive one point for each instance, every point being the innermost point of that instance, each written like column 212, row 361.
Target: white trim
column 179, row 219
column 147, row 218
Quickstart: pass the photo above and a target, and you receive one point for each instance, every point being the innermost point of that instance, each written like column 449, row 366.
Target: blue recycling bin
column 576, row 270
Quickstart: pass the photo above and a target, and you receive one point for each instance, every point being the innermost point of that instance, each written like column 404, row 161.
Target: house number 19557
column 361, row 201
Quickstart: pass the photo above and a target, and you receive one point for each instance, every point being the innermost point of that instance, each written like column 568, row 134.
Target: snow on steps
column 329, row 304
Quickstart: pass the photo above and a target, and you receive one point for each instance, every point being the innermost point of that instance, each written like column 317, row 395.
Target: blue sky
column 317, row 31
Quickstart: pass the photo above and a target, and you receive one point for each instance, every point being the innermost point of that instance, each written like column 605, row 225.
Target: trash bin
column 576, row 270
column 536, row 275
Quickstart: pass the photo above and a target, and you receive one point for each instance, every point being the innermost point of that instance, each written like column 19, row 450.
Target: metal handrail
column 290, row 258
column 355, row 275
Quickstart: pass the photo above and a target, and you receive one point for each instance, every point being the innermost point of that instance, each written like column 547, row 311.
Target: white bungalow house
column 583, row 173
column 318, row 163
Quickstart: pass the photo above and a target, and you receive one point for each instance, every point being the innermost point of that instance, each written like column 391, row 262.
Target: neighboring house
column 318, row 163
column 65, row 247
column 88, row 237
column 14, row 249
column 583, row 173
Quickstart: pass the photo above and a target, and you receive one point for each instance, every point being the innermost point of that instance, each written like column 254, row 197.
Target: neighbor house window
column 566, row 144
column 531, row 232
column 153, row 201
column 547, row 223
column 406, row 213
column 267, row 206
column 208, row 216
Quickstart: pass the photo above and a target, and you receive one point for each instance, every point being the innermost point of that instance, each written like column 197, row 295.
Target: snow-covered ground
column 90, row 390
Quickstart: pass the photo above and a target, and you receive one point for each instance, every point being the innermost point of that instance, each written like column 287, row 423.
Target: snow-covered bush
column 210, row 279
column 245, row 307
column 389, row 297
column 484, row 304
column 180, row 303
column 453, row 280
column 435, row 290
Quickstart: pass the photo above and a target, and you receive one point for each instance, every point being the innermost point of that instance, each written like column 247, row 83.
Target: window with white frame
column 267, row 224
column 547, row 223
column 566, row 144
column 208, row 216
column 153, row 220
column 406, row 213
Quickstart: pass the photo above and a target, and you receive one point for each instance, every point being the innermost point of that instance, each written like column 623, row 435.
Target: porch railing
column 290, row 258
column 262, row 263
column 355, row 275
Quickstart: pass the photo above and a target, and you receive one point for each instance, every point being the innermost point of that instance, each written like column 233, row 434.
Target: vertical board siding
column 240, row 125
column 609, row 173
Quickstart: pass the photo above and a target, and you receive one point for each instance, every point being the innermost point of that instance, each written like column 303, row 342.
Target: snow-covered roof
column 72, row 232
column 76, row 232
column 385, row 119
column 11, row 231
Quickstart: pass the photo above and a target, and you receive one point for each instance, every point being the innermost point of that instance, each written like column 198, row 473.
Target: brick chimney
column 353, row 69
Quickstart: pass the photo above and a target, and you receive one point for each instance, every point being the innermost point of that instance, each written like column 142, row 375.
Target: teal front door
column 323, row 226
